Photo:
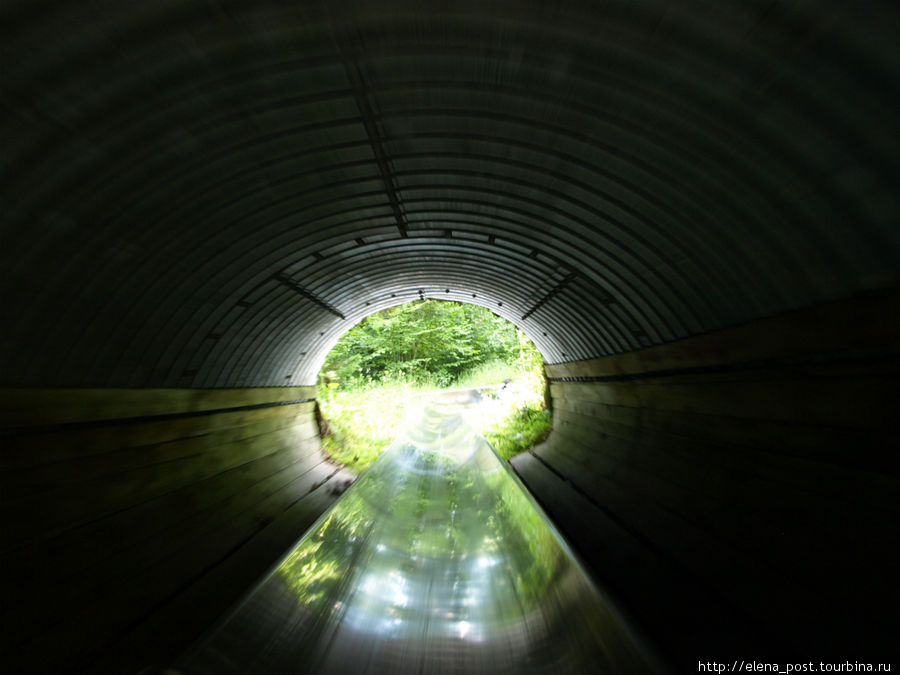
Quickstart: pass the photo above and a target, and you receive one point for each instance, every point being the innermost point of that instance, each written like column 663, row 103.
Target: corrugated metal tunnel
column 691, row 208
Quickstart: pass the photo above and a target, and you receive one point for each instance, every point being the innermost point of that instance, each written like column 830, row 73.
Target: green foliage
column 426, row 341
column 516, row 419
column 381, row 369
column 365, row 420
column 522, row 429
column 492, row 372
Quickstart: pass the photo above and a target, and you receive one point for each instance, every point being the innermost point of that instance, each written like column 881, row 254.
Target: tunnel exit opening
column 395, row 360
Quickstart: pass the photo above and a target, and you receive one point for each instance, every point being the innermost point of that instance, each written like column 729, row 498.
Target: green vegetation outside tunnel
column 385, row 365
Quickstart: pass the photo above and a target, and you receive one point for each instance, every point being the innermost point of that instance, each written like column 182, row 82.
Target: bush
column 428, row 341
column 381, row 367
column 520, row 431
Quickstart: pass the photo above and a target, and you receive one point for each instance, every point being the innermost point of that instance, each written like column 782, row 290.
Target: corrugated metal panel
column 616, row 176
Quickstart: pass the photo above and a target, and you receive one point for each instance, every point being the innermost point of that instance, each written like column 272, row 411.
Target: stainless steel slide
column 435, row 561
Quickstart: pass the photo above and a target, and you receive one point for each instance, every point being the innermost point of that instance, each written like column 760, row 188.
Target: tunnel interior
column 690, row 209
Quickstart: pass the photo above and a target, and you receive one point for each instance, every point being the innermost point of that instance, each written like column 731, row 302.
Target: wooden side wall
column 738, row 491
column 132, row 518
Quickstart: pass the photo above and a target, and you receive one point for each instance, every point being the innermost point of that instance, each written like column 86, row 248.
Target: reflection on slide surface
column 435, row 560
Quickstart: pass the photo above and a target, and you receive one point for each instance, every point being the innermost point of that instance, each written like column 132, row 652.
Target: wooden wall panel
column 756, row 467
column 33, row 406
column 117, row 504
column 863, row 323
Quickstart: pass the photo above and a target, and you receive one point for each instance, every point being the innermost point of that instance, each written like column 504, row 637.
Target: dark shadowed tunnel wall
column 689, row 207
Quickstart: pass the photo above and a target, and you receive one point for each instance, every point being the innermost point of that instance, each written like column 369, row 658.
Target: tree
column 425, row 340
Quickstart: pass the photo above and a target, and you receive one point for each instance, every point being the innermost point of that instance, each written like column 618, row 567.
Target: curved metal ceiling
column 203, row 193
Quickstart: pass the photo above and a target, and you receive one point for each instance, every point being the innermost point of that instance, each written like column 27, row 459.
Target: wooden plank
column 825, row 397
column 31, row 517
column 854, row 449
column 87, row 634
column 760, row 516
column 575, row 517
column 671, row 606
column 37, row 448
column 243, row 512
column 718, row 469
column 746, row 581
column 24, row 407
column 868, row 321
column 88, row 546
column 84, row 556
column 673, row 535
column 804, row 440
column 815, row 539
column 117, row 462
column 170, row 630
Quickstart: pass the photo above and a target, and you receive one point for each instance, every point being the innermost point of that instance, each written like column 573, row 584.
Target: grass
column 361, row 423
column 517, row 419
column 519, row 431
column 492, row 372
